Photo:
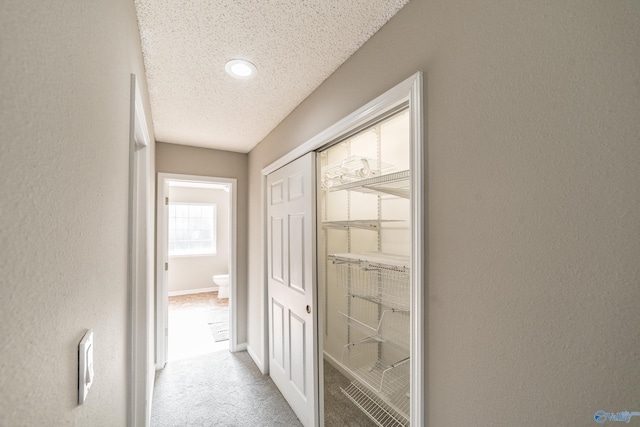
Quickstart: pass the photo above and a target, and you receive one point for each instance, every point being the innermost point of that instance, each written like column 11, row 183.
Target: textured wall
column 532, row 133
column 64, row 108
column 195, row 272
column 181, row 159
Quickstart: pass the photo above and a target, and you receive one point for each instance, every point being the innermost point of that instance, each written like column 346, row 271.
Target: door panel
column 297, row 338
column 296, row 252
column 277, row 320
column 276, row 192
column 277, row 250
column 291, row 285
column 296, row 189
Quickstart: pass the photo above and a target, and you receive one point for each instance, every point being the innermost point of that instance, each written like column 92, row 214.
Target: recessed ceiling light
column 241, row 69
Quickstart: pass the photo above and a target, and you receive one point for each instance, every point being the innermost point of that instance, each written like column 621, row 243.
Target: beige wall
column 180, row 159
column 188, row 273
column 532, row 134
column 64, row 108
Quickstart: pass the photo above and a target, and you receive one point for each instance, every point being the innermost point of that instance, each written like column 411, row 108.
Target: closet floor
column 338, row 409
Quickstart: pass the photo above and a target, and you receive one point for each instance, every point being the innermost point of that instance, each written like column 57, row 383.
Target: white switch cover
column 85, row 368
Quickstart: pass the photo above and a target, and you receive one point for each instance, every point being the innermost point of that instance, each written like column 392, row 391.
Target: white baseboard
column 336, row 364
column 192, row 291
column 240, row 347
column 256, row 360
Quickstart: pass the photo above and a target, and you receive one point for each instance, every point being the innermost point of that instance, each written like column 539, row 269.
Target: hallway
column 205, row 385
column 218, row 389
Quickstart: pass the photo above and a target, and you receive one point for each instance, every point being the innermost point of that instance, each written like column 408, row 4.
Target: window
column 192, row 229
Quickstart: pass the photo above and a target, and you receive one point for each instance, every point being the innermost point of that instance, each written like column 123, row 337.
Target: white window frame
column 214, row 231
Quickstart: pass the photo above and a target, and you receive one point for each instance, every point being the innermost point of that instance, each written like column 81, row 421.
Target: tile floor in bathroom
column 189, row 332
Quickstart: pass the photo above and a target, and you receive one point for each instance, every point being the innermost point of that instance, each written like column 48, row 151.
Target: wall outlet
column 85, row 366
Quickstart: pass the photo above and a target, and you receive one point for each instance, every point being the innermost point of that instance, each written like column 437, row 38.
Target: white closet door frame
column 409, row 92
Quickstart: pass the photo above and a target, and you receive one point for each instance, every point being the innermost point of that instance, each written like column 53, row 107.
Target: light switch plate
column 85, row 366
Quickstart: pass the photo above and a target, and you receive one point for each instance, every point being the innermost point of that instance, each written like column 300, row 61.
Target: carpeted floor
column 205, row 385
column 218, row 389
column 225, row 389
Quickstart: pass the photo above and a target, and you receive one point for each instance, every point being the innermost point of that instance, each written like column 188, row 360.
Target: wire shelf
column 354, row 168
column 373, row 260
column 365, row 224
column 373, row 319
column 378, row 278
column 375, row 408
column 383, row 367
column 396, row 184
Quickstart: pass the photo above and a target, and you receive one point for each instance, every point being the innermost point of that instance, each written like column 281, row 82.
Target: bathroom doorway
column 196, row 259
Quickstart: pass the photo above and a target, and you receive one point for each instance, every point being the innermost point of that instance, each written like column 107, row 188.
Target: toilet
column 222, row 280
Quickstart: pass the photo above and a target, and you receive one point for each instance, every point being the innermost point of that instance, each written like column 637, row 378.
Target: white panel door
column 291, row 285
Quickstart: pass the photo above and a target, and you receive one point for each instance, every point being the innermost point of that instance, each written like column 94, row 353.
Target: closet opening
column 368, row 310
column 364, row 282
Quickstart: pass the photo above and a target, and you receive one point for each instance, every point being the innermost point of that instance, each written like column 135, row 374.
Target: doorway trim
column 140, row 265
column 409, row 92
column 162, row 255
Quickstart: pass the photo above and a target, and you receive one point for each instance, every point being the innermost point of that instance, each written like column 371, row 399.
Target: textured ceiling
column 295, row 44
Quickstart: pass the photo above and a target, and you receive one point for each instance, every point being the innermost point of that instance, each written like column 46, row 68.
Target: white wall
column 532, row 135
column 195, row 272
column 64, row 114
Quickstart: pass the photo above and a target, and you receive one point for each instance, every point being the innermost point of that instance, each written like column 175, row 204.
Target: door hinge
column 166, row 201
column 166, row 332
column 166, row 266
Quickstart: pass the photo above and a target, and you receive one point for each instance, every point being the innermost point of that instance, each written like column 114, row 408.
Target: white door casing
column 162, row 303
column 162, row 294
column 291, row 285
column 141, row 378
